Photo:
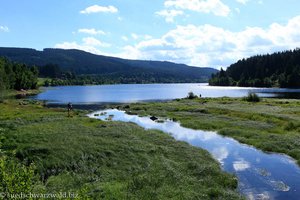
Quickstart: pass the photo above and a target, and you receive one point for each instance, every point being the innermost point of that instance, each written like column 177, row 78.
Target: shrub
column 191, row 95
column 252, row 97
column 15, row 178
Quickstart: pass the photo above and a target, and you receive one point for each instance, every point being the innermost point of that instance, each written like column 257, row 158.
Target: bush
column 252, row 97
column 15, row 178
column 191, row 95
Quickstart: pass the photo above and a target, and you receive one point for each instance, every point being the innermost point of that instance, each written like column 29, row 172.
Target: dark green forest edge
column 276, row 70
column 15, row 76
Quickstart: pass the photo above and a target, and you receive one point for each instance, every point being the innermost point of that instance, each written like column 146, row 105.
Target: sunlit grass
column 107, row 160
column 271, row 124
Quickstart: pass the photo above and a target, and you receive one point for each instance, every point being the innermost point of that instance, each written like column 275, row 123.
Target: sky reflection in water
column 147, row 92
column 261, row 175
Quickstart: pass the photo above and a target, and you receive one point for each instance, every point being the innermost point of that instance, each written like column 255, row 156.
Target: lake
column 261, row 175
column 126, row 93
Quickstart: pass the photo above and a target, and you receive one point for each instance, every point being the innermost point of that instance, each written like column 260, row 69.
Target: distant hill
column 83, row 63
column 280, row 69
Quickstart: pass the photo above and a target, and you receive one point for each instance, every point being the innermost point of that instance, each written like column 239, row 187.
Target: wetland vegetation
column 97, row 159
column 272, row 125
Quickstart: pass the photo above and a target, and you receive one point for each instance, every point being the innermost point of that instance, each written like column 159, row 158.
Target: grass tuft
column 252, row 97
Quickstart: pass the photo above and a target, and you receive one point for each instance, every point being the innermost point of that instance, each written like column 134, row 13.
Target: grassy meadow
column 44, row 151
column 272, row 125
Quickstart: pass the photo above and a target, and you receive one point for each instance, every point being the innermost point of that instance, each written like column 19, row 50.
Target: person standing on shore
column 70, row 107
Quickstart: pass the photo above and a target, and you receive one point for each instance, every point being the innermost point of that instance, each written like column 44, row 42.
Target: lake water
column 126, row 93
column 261, row 175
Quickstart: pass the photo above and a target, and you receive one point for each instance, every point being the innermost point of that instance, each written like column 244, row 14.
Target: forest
column 17, row 76
column 55, row 76
column 76, row 67
column 280, row 69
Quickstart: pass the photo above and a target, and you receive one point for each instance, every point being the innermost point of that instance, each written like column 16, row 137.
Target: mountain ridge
column 85, row 63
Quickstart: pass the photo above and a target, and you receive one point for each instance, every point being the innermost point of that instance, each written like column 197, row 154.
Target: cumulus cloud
column 75, row 45
column 169, row 15
column 205, row 6
column 99, row 9
column 134, row 36
column 4, row 28
column 144, row 37
column 242, row 1
column 91, row 31
column 90, row 41
column 208, row 45
column 89, row 44
column 124, row 38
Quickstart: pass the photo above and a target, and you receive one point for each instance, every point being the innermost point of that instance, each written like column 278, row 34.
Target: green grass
column 12, row 94
column 271, row 124
column 41, row 81
column 107, row 160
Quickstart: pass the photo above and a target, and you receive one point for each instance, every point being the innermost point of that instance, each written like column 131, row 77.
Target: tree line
column 280, row 69
column 17, row 76
column 55, row 76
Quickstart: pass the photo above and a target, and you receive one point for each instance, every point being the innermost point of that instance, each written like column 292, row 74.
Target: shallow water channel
column 261, row 175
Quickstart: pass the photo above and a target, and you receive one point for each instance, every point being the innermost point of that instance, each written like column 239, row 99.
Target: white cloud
column 205, row 6
column 213, row 46
column 91, row 31
column 98, row 9
column 75, row 45
column 89, row 44
column 169, row 15
column 4, row 28
column 147, row 37
column 242, row 1
column 134, row 36
column 90, row 41
column 124, row 38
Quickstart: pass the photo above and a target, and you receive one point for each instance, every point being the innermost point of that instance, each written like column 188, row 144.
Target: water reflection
column 261, row 175
column 147, row 92
column 241, row 165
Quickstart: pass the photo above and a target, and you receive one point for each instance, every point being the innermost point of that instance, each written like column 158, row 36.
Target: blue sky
column 204, row 33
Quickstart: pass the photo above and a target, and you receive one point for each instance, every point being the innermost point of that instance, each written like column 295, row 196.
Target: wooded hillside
column 280, row 69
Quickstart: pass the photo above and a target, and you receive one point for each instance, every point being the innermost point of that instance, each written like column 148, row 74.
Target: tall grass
column 108, row 160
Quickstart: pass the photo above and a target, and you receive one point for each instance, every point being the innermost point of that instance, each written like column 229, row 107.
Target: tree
column 17, row 76
column 278, row 69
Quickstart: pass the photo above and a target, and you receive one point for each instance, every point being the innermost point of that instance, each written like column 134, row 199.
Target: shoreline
column 249, row 123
